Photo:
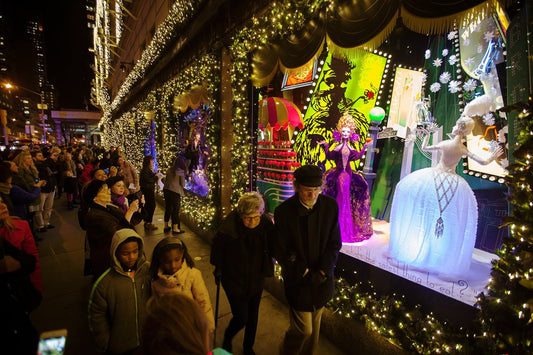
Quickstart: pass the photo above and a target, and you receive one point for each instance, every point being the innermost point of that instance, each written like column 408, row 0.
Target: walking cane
column 216, row 313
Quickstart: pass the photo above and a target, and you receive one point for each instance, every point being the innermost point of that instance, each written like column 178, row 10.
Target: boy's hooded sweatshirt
column 117, row 305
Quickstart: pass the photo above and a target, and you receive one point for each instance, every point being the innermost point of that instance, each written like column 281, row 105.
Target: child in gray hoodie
column 118, row 298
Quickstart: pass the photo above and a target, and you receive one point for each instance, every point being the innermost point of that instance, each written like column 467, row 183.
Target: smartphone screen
column 52, row 343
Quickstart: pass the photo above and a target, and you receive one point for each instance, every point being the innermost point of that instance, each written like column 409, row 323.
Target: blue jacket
column 22, row 198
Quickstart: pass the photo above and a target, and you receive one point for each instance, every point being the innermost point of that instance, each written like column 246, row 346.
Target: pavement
column 66, row 290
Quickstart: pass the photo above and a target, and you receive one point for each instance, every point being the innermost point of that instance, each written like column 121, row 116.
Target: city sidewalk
column 66, row 290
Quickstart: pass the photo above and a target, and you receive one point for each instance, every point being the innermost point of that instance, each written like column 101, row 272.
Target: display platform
column 375, row 252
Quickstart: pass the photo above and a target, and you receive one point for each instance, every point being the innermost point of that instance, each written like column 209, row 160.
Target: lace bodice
column 451, row 153
column 345, row 150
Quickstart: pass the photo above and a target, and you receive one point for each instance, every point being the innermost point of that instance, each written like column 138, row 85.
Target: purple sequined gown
column 351, row 192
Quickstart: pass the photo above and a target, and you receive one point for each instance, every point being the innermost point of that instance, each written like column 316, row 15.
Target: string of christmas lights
column 281, row 19
column 506, row 311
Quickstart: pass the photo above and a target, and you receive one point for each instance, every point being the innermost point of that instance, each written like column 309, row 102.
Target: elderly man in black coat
column 307, row 246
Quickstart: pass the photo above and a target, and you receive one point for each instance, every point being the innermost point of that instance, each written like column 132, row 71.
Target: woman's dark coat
column 242, row 256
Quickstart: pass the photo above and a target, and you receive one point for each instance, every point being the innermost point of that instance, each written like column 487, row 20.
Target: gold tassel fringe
column 374, row 43
column 285, row 69
column 265, row 80
column 446, row 24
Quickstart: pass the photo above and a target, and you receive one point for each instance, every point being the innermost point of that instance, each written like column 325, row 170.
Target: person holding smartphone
column 102, row 221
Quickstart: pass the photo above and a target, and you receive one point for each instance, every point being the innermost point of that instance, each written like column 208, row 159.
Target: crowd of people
column 130, row 294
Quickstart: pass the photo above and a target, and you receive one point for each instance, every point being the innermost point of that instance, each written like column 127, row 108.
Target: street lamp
column 376, row 115
column 41, row 95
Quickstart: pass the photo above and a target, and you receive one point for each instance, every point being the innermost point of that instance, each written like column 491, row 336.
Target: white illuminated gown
column 417, row 237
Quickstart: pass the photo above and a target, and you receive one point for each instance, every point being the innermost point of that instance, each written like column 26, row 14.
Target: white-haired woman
column 434, row 211
column 241, row 253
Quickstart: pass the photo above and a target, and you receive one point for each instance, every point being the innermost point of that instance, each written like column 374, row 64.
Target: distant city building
column 36, row 32
column 23, row 65
column 76, row 126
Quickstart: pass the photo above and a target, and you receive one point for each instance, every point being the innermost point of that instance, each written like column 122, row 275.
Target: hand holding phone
column 52, row 342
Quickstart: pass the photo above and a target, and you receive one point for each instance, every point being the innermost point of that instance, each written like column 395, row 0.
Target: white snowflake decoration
column 454, row 86
column 453, row 59
column 466, row 42
column 437, row 62
column 470, row 85
column 451, row 35
column 493, row 145
column 479, row 48
column 444, row 52
column 488, row 119
column 469, row 61
column 427, row 55
column 487, row 77
column 445, row 77
column 488, row 36
column 435, row 87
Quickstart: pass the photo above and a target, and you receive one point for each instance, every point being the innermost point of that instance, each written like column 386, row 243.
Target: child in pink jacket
column 172, row 271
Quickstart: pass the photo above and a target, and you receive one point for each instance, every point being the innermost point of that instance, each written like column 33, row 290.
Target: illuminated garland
column 130, row 131
column 506, row 311
column 281, row 19
column 405, row 326
column 205, row 69
column 178, row 18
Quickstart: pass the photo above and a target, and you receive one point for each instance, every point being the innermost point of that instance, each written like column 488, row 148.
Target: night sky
column 67, row 40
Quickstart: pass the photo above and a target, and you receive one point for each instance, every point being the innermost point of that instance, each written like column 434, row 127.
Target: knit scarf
column 120, row 202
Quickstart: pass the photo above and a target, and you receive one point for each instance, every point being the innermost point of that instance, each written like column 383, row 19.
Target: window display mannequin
column 434, row 211
column 194, row 153
column 348, row 187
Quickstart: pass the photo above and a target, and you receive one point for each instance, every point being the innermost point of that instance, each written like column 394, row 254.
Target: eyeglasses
column 251, row 218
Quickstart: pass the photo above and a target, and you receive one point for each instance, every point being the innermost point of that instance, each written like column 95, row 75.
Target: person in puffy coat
column 18, row 233
column 117, row 304
column 172, row 271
